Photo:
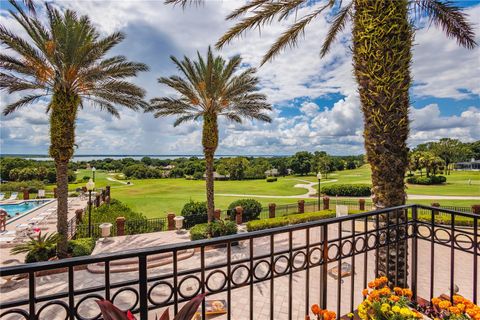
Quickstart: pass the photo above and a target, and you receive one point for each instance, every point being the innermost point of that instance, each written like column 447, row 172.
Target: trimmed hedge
column 271, row 179
column 348, row 190
column 217, row 228
column 427, row 180
column 195, row 212
column 289, row 220
column 81, row 247
column 251, row 209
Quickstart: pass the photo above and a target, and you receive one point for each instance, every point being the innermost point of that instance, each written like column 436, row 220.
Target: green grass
column 156, row 197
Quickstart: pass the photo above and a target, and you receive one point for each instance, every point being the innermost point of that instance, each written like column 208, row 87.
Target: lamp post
column 319, row 177
column 93, row 173
column 90, row 188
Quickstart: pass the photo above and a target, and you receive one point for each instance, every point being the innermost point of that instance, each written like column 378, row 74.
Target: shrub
column 251, row 209
column 426, row 180
column 195, row 212
column 81, row 247
column 271, row 179
column 198, row 175
column 217, row 228
column 289, row 219
column 348, row 190
column 38, row 248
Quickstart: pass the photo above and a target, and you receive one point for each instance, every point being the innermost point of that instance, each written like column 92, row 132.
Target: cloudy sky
column 316, row 106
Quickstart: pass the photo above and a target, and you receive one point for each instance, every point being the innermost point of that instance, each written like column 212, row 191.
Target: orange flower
column 316, row 309
column 371, row 284
column 385, row 291
column 436, row 301
column 444, row 304
column 394, row 298
column 471, row 312
column 329, row 315
column 407, row 293
column 458, row 299
column 365, row 292
column 461, row 307
column 398, row 290
column 454, row 310
column 383, row 280
column 374, row 295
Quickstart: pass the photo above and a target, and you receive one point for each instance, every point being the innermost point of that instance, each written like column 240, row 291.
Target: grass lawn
column 156, row 197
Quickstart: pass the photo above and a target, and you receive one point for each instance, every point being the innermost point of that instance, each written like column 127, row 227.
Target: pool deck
column 8, row 237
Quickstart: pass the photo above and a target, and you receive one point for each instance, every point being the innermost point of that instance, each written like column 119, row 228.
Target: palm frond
column 338, row 24
column 184, row 3
column 26, row 100
column 290, row 37
column 185, row 118
column 263, row 14
column 450, row 18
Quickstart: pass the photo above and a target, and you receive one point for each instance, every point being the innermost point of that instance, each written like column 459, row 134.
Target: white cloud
column 293, row 80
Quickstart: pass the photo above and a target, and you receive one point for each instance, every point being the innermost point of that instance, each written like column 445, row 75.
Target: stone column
column 216, row 214
column 79, row 215
column 437, row 205
column 238, row 215
column 361, row 204
column 97, row 200
column 326, row 203
column 120, row 226
column 26, row 194
column 171, row 222
column 271, row 210
column 301, row 206
column 107, row 190
column 476, row 209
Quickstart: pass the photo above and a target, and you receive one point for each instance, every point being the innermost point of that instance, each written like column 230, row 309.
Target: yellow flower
column 385, row 308
column 454, row 310
column 396, row 309
column 444, row 304
column 405, row 312
column 436, row 301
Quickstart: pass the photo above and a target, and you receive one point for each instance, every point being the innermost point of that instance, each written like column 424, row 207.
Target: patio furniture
column 22, row 230
column 41, row 194
column 13, row 196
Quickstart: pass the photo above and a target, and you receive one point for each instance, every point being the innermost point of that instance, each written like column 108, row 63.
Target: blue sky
column 315, row 101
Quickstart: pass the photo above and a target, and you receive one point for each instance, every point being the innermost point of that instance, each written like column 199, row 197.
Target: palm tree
column 63, row 63
column 209, row 89
column 382, row 41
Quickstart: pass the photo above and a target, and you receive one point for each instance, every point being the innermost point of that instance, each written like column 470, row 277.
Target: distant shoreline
column 90, row 157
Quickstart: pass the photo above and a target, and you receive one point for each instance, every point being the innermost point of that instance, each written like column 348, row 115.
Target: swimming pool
column 15, row 210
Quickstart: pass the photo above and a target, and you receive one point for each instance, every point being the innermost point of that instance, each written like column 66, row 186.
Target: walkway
column 261, row 291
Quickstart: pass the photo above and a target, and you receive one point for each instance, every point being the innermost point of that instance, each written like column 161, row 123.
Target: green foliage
column 216, row 228
column 427, row 180
column 289, row 220
column 251, row 209
column 300, row 163
column 32, row 186
column 347, row 190
column 271, row 179
column 81, row 247
column 141, row 171
column 195, row 212
column 39, row 248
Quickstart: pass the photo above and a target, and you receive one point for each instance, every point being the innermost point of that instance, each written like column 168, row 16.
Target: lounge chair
column 2, row 196
column 41, row 194
column 13, row 196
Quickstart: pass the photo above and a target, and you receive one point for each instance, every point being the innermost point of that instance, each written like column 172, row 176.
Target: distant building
column 473, row 165
column 169, row 167
column 218, row 176
column 272, row 172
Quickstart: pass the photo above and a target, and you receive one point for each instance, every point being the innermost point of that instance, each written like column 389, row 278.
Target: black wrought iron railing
column 269, row 274
column 136, row 226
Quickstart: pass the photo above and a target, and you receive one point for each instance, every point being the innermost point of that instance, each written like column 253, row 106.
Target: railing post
column 361, row 204
column 271, row 210
column 238, row 215
column 107, row 190
column 171, row 222
column 142, row 277
column 301, row 206
column 415, row 253
column 324, row 266
column 326, row 203
column 216, row 214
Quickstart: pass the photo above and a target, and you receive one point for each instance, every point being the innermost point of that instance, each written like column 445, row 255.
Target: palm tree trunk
column 62, row 139
column 382, row 38
column 210, row 143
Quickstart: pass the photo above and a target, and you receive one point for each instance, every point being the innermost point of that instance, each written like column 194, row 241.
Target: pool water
column 19, row 208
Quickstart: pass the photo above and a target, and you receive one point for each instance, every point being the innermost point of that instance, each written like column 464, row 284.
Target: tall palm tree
column 64, row 63
column 382, row 41
column 209, row 89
